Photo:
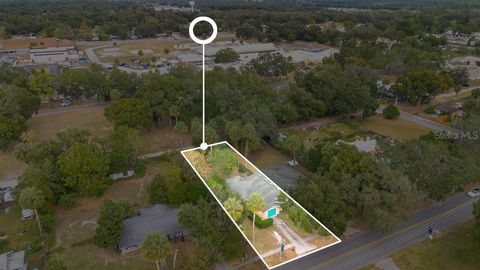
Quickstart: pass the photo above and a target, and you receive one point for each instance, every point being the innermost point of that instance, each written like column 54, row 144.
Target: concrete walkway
column 387, row 264
column 301, row 246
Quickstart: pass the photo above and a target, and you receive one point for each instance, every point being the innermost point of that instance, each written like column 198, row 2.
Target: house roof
column 157, row 218
column 13, row 260
column 26, row 43
column 256, row 182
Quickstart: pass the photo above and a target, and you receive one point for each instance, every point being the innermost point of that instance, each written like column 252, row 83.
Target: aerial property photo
column 274, row 224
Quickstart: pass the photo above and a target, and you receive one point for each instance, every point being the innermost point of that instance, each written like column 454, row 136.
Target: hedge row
column 259, row 223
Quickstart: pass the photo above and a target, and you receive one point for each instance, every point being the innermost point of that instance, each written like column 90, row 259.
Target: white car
column 474, row 193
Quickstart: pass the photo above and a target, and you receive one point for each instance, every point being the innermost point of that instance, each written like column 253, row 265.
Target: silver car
column 474, row 193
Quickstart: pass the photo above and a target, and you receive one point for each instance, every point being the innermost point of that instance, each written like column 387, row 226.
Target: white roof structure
column 8, row 197
column 212, row 49
column 256, row 182
column 308, row 56
column 367, row 146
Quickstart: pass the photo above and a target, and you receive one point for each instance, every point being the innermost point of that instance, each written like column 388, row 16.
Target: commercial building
column 34, row 51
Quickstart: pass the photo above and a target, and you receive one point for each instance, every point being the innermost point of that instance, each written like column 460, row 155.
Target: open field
column 397, row 129
column 10, row 166
column 267, row 156
column 449, row 250
column 164, row 138
column 90, row 119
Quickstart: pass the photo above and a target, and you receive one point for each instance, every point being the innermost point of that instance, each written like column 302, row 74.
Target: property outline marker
column 203, row 42
column 273, row 183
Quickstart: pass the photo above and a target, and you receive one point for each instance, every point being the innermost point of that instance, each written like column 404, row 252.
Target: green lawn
column 450, row 250
column 398, row 129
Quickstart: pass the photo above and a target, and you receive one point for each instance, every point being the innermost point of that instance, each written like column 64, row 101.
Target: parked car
column 66, row 102
column 474, row 193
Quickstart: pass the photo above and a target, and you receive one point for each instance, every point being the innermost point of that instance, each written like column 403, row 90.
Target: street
column 370, row 247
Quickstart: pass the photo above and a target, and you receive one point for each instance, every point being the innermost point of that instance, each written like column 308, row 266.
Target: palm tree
column 293, row 143
column 155, row 247
column 181, row 129
column 255, row 203
column 250, row 138
column 234, row 207
column 32, row 198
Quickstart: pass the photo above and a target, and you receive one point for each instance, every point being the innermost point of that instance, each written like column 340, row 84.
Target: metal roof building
column 157, row 218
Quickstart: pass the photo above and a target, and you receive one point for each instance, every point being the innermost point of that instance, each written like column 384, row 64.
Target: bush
column 158, row 190
column 391, row 112
column 430, row 110
column 260, row 223
column 3, row 245
column 68, row 200
column 48, row 222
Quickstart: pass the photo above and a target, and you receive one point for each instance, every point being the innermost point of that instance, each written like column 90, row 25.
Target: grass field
column 10, row 166
column 267, row 156
column 89, row 119
column 397, row 129
column 451, row 250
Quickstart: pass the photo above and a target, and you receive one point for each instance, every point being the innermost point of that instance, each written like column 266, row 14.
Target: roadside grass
column 450, row 250
column 9, row 165
column 89, row 119
column 398, row 129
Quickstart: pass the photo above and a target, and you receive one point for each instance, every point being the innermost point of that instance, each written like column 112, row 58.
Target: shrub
column 391, row 112
column 260, row 223
column 430, row 110
column 68, row 200
column 158, row 190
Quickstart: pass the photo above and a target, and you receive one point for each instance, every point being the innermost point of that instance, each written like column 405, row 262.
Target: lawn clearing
column 163, row 138
column 268, row 156
column 450, row 250
column 10, row 167
column 90, row 119
column 398, row 129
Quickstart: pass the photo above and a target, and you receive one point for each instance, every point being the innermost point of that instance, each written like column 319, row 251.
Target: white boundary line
column 238, row 227
column 203, row 93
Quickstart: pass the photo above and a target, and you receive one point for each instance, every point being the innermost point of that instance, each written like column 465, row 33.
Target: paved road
column 453, row 94
column 370, row 247
column 421, row 121
column 426, row 123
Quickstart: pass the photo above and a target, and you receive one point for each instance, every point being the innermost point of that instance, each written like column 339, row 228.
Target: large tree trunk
column 158, row 264
column 253, row 230
column 39, row 225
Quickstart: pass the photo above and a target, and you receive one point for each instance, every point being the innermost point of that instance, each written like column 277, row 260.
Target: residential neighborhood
column 306, row 135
